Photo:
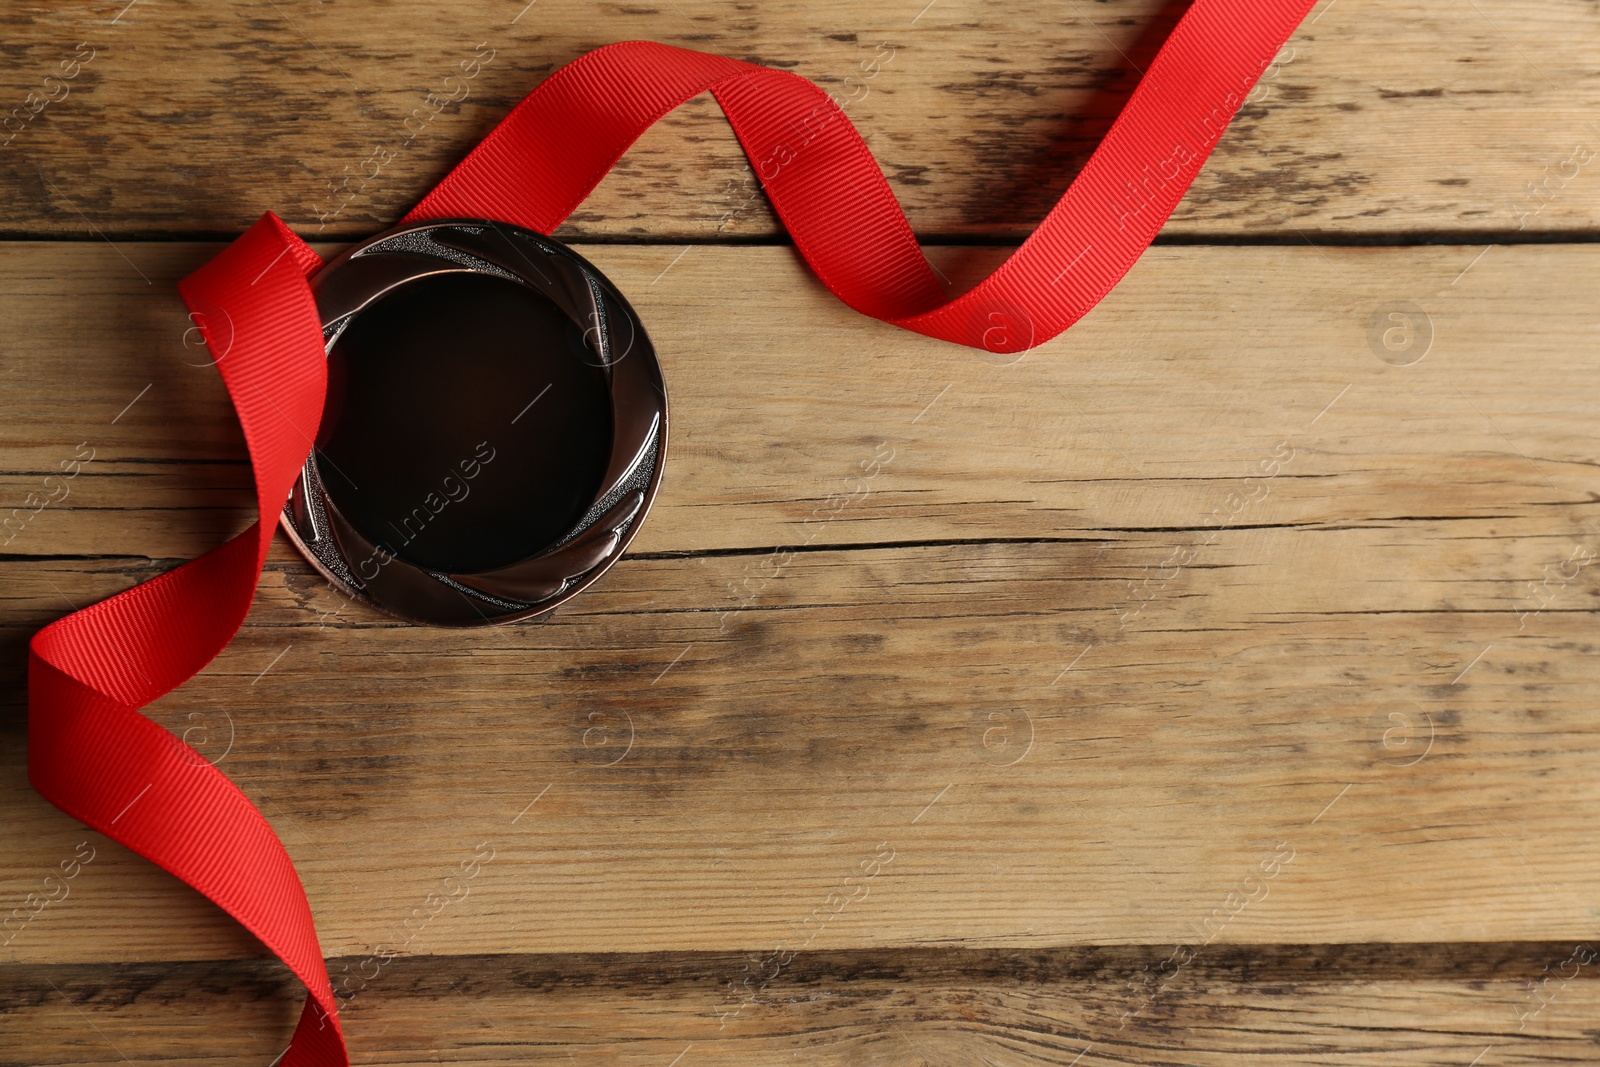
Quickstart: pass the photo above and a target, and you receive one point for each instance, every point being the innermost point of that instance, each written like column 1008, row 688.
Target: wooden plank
column 190, row 118
column 1418, row 1006
column 1151, row 414
column 1292, row 719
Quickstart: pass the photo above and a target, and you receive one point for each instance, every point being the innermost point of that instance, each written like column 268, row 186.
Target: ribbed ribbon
column 90, row 751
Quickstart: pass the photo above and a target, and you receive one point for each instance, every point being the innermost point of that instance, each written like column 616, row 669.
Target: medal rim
column 641, row 347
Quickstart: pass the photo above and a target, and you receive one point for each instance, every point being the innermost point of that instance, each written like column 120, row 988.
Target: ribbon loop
column 539, row 163
column 90, row 752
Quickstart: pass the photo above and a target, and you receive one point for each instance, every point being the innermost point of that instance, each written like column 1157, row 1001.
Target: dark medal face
column 494, row 427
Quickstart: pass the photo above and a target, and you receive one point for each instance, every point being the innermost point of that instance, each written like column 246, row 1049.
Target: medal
column 494, row 428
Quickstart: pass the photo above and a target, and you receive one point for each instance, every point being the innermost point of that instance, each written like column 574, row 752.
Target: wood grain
column 1305, row 1006
column 192, row 118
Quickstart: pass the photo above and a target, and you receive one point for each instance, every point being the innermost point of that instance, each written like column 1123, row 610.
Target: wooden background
column 1214, row 684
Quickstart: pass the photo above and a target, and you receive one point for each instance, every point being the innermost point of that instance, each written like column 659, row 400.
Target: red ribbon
column 96, row 758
